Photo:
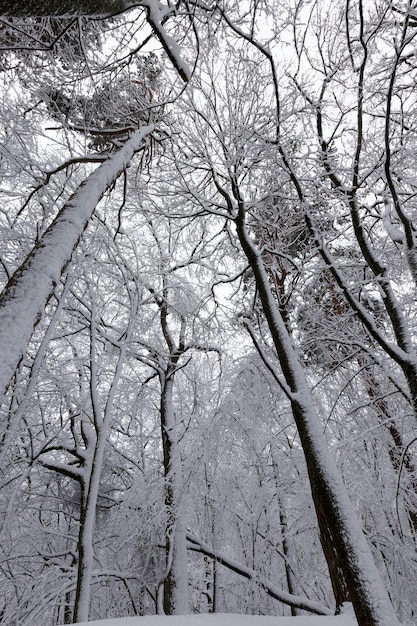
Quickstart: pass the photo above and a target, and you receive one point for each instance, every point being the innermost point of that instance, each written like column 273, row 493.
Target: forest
column 208, row 341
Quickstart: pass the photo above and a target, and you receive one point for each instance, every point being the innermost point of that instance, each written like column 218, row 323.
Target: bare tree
column 231, row 160
column 298, row 200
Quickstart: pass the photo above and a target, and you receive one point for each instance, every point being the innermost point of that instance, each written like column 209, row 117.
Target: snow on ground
column 228, row 619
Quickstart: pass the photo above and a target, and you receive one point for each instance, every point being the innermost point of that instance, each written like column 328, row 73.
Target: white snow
column 156, row 14
column 23, row 300
column 229, row 619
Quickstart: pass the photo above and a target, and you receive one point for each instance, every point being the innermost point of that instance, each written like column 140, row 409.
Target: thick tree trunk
column 176, row 581
column 337, row 577
column 335, row 513
column 85, row 556
column 25, row 296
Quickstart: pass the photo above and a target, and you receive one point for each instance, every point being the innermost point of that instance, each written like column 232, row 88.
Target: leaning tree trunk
column 26, row 294
column 336, row 517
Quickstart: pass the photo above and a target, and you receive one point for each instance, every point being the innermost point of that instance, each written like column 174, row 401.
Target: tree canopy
column 208, row 265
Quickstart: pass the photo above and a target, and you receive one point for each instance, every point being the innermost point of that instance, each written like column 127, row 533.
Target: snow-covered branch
column 197, row 545
column 27, row 292
column 157, row 13
column 63, row 8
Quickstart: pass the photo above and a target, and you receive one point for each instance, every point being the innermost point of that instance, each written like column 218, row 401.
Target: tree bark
column 335, row 513
column 176, row 581
column 175, row 585
column 92, row 470
column 24, row 298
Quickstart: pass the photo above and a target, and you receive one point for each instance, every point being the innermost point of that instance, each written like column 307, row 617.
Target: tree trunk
column 176, row 581
column 337, row 577
column 94, row 457
column 336, row 517
column 291, row 582
column 24, row 298
column 287, row 548
column 397, row 451
column 85, row 554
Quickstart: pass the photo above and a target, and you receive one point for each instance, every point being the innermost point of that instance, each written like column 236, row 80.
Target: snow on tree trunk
column 93, row 465
column 336, row 516
column 176, row 581
column 286, row 543
column 24, row 298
